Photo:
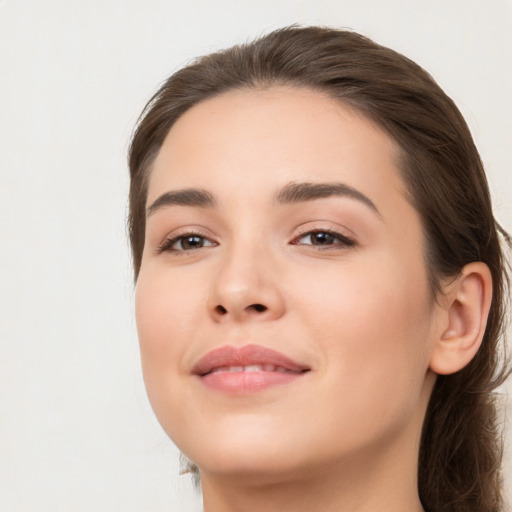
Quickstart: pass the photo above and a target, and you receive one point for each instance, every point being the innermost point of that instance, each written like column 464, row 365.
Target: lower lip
column 240, row 383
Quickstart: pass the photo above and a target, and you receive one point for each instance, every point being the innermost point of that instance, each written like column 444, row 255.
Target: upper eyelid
column 334, row 233
column 189, row 231
column 319, row 226
column 171, row 238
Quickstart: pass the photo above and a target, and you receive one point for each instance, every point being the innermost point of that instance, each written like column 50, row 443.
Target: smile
column 251, row 368
column 247, row 369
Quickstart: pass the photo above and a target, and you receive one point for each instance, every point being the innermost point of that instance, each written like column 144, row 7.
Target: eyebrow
column 298, row 192
column 295, row 192
column 186, row 197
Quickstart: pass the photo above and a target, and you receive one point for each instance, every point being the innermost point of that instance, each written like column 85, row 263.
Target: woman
column 320, row 283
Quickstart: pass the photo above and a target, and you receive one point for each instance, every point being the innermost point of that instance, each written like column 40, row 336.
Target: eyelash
column 340, row 241
column 167, row 244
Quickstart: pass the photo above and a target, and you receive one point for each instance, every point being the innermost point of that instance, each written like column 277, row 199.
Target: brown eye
column 324, row 239
column 186, row 243
column 189, row 242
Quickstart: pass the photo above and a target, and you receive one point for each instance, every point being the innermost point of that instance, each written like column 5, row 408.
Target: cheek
column 372, row 327
column 164, row 317
column 165, row 307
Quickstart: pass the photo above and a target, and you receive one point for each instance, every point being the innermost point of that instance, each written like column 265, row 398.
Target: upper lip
column 245, row 356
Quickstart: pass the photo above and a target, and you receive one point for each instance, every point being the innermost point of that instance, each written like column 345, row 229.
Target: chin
column 253, row 452
column 254, row 468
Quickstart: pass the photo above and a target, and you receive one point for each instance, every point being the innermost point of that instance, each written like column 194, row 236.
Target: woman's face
column 282, row 305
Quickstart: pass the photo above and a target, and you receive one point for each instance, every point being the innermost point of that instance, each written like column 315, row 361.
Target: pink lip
column 212, row 369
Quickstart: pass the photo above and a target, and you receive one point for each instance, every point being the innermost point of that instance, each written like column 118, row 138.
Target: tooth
column 250, row 368
column 253, row 368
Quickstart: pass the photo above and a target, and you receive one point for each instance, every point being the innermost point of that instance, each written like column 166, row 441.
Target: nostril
column 259, row 308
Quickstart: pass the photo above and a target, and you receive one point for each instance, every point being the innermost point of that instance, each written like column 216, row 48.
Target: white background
column 76, row 430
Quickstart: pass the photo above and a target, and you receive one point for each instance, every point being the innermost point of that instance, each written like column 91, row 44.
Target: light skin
column 278, row 218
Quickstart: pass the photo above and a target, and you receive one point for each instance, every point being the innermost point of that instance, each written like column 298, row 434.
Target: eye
column 186, row 243
column 324, row 238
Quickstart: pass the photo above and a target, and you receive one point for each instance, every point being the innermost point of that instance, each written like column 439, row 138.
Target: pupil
column 322, row 238
column 193, row 242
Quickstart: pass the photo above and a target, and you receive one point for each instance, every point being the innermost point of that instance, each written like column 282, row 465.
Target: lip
column 223, row 368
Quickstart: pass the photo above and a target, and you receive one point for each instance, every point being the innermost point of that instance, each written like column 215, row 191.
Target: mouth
column 247, row 369
column 251, row 368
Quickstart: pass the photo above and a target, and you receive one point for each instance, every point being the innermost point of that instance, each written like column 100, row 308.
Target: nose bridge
column 245, row 286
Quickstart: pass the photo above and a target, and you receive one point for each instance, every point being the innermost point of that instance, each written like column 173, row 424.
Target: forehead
column 257, row 139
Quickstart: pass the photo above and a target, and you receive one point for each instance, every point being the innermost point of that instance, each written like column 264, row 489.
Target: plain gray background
column 76, row 431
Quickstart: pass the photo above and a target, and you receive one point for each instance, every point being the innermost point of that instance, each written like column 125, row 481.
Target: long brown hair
column 460, row 452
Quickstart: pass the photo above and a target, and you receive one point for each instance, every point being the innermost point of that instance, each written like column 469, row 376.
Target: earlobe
column 464, row 318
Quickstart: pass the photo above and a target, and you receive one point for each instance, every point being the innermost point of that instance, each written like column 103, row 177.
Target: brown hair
column 460, row 453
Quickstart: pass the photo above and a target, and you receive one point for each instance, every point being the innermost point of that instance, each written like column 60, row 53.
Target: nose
column 246, row 288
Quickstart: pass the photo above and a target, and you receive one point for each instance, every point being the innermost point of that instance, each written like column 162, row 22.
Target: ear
column 464, row 312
